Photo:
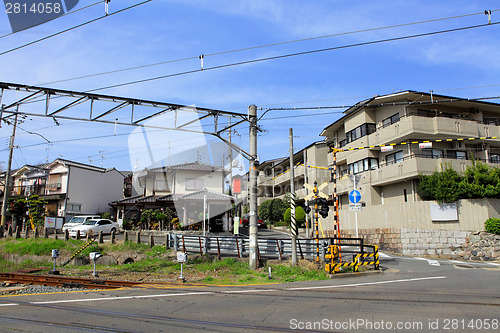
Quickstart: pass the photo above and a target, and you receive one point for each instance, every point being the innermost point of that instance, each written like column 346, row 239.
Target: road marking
column 383, row 255
column 248, row 291
column 433, row 262
column 225, row 291
column 121, row 298
column 9, row 304
column 368, row 283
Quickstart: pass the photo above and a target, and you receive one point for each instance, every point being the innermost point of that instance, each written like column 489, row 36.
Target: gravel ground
column 21, row 289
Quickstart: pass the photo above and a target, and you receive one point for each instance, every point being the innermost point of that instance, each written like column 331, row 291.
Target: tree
column 164, row 217
column 17, row 208
column 300, row 216
column 264, row 210
column 146, row 216
column 277, row 209
column 36, row 209
column 478, row 181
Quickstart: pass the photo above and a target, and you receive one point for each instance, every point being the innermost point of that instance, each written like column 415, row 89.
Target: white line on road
column 122, row 297
column 368, row 283
column 248, row 291
column 225, row 291
column 9, row 304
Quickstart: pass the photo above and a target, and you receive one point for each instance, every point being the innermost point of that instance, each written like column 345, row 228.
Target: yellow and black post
column 336, row 222
column 316, row 218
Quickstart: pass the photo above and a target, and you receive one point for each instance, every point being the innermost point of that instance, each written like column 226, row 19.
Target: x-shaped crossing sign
column 316, row 192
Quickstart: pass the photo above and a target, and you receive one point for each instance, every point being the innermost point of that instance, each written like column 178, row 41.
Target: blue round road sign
column 354, row 196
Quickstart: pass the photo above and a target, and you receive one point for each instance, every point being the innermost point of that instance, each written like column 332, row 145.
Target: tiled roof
column 211, row 196
column 196, row 166
column 76, row 164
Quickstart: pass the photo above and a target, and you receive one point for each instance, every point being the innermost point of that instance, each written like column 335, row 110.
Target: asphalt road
column 411, row 295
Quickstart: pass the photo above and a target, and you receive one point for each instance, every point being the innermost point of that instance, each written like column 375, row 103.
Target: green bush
column 300, row 216
column 492, row 225
column 478, row 181
column 277, row 209
column 264, row 210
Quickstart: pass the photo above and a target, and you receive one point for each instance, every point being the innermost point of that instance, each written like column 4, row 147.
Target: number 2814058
column 35, row 8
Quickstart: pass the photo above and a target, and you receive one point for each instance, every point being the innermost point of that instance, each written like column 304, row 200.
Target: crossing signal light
column 307, row 209
column 324, row 208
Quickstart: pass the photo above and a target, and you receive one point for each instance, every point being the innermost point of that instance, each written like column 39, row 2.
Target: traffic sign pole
column 356, row 212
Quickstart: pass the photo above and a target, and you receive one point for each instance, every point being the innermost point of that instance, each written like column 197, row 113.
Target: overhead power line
column 288, row 55
column 267, row 45
column 72, row 28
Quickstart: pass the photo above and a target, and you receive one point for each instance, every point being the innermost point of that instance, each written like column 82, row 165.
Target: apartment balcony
column 409, row 167
column 414, row 126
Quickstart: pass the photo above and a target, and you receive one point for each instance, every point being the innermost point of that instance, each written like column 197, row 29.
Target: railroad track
column 61, row 281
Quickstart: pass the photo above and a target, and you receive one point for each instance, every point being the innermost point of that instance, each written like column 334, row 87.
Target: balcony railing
column 54, row 186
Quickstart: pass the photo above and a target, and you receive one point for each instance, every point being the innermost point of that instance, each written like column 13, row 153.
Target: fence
column 275, row 248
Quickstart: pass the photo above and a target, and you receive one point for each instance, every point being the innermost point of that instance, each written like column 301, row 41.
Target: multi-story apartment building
column 310, row 165
column 387, row 177
column 390, row 175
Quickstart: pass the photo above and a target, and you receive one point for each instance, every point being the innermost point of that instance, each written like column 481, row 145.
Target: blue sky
column 464, row 64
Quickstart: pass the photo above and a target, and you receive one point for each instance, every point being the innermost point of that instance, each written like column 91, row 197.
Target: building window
column 495, row 158
column 390, row 120
column 358, row 132
column 454, row 154
column 363, row 165
column 74, row 208
column 161, row 185
column 432, row 153
column 194, row 184
column 394, row 158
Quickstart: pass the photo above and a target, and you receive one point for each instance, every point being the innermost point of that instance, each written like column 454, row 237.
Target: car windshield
column 90, row 222
column 77, row 219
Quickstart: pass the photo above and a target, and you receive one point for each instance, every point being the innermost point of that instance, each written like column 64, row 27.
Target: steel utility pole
column 7, row 174
column 293, row 225
column 254, row 162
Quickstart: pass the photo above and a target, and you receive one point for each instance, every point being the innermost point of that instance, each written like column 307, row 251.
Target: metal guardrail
column 268, row 248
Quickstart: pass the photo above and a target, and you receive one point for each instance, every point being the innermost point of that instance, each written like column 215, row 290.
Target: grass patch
column 37, row 246
column 199, row 269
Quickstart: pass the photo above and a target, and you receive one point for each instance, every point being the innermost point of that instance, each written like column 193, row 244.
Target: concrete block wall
column 413, row 241
column 431, row 242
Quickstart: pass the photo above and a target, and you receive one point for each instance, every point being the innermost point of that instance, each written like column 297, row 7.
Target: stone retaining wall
column 480, row 246
column 413, row 241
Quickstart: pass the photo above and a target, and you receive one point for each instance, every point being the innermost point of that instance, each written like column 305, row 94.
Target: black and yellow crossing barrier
column 333, row 255
column 374, row 259
column 78, row 252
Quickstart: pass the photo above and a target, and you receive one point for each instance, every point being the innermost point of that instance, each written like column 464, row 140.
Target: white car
column 77, row 220
column 94, row 226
